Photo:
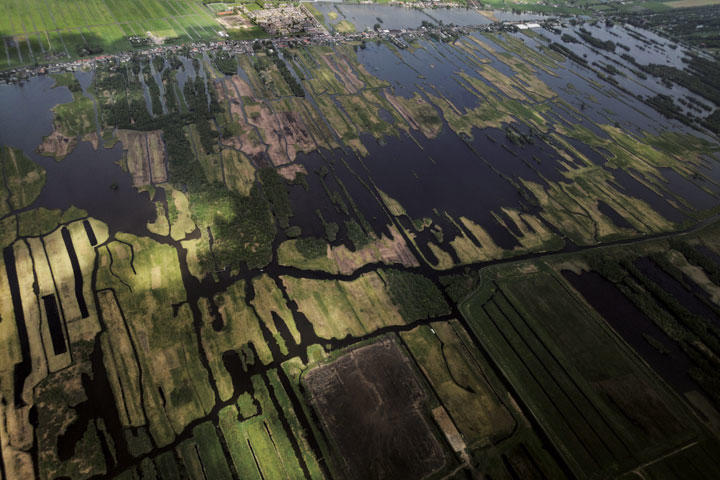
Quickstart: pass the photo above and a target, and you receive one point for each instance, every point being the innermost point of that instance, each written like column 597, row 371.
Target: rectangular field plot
column 373, row 409
column 42, row 31
column 477, row 414
column 603, row 409
column 256, row 438
column 456, row 377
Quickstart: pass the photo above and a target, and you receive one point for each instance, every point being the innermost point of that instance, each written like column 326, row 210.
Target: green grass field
column 691, row 3
column 583, row 387
column 39, row 31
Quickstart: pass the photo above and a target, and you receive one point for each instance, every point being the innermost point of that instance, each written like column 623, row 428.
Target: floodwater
column 396, row 17
column 471, row 177
column 635, row 328
column 454, row 174
column 93, row 181
column 689, row 295
column 365, row 16
column 25, row 116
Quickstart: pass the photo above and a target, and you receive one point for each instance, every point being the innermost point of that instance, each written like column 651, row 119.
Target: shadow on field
column 48, row 47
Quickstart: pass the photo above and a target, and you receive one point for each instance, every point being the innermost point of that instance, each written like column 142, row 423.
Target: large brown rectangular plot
column 374, row 411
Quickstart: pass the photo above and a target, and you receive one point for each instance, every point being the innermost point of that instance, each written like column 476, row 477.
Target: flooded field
column 395, row 17
column 198, row 247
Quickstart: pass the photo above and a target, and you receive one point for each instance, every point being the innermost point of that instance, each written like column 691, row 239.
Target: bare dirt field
column 374, row 411
column 235, row 21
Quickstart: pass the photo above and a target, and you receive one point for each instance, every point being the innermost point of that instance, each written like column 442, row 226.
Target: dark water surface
column 25, row 115
column 461, row 176
column 93, row 181
column 633, row 325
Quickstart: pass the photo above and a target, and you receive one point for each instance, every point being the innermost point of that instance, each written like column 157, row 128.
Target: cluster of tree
column 208, row 136
column 74, row 86
column 416, row 296
column 155, row 95
column 335, row 197
column 277, row 194
column 301, row 179
column 331, row 228
column 113, row 113
column 182, row 165
column 159, row 63
column 311, row 247
column 356, row 234
column 705, row 370
column 458, row 286
column 610, row 69
column 140, row 117
column 131, row 112
column 608, row 45
column 298, row 71
column 673, row 318
column 244, row 238
column 666, row 106
column 203, row 106
column 295, row 87
column 606, row 267
column 353, row 206
column 701, row 77
column 226, row 63
column 695, row 257
column 697, row 324
column 171, row 100
column 568, row 53
column 264, row 63
column 135, row 66
column 174, row 61
column 517, row 138
column 623, row 46
column 293, row 232
column 261, row 64
column 631, row 60
column 628, row 58
column 682, row 24
column 89, row 49
column 695, row 104
column 712, row 121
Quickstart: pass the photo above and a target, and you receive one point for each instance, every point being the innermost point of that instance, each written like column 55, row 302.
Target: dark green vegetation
column 243, row 236
column 417, row 296
column 671, row 289
column 697, row 26
column 277, row 193
column 22, row 180
column 301, row 264
column 242, row 225
column 700, row 76
column 583, row 385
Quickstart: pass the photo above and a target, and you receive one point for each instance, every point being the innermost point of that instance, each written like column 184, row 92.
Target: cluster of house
column 286, row 19
column 290, row 25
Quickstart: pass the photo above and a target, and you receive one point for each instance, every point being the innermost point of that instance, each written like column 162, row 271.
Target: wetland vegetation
column 492, row 254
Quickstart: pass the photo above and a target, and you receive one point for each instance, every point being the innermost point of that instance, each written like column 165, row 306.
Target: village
column 289, row 27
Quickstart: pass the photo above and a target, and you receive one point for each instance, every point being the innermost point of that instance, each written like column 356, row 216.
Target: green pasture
column 39, row 31
column 585, row 389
